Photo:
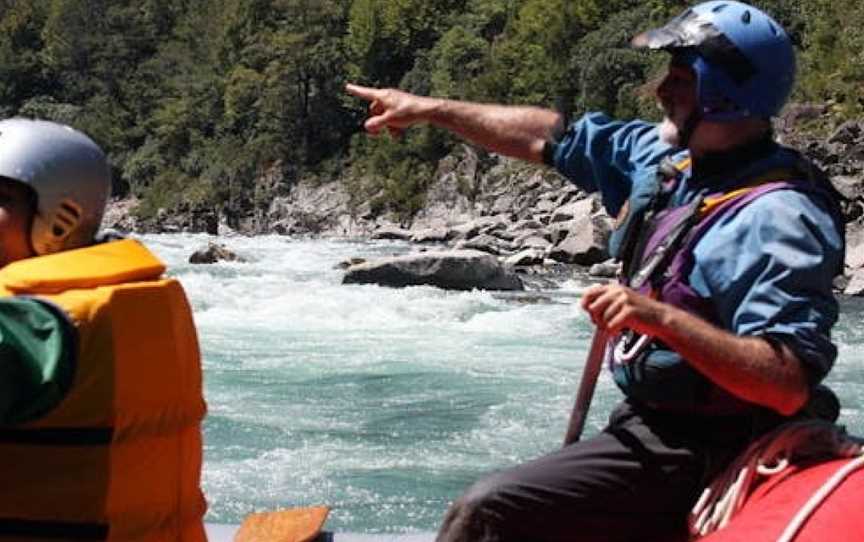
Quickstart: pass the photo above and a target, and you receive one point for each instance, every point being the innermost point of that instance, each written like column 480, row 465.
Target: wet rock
column 530, row 256
column 451, row 270
column 855, row 257
column 608, row 269
column 558, row 231
column 574, row 210
column 485, row 243
column 224, row 230
column 432, row 235
column 349, row 262
column 463, row 232
column 479, row 226
column 856, row 284
column 585, row 244
column 394, row 233
column 565, row 194
column 840, row 283
column 503, row 204
column 546, row 205
column 525, row 298
column 527, row 225
column 503, row 234
column 296, row 225
column 534, row 241
column 119, row 215
column 851, row 187
column 213, row 253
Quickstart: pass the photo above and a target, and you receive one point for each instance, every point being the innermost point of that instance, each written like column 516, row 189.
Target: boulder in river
column 450, row 269
column 213, row 253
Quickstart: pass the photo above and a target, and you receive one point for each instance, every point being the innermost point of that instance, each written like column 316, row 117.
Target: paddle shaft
column 593, row 365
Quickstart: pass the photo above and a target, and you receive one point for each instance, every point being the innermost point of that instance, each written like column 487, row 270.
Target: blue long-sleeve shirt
column 768, row 268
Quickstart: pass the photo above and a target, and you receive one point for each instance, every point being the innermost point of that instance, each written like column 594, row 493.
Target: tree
column 832, row 63
column 21, row 70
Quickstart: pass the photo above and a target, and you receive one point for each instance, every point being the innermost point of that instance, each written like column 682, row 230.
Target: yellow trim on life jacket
column 684, row 164
column 709, row 204
column 137, row 382
column 108, row 263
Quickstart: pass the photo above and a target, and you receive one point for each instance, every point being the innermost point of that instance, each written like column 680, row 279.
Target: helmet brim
column 685, row 30
column 689, row 31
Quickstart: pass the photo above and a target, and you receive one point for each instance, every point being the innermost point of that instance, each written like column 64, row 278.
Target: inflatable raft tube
column 769, row 511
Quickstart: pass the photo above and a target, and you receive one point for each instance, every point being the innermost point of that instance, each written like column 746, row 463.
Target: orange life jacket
column 120, row 457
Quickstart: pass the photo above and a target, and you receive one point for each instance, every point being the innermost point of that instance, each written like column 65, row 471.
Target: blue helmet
column 743, row 59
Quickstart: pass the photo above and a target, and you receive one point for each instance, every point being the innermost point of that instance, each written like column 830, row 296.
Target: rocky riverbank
column 527, row 217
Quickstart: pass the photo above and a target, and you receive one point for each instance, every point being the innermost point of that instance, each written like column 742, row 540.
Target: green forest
column 199, row 102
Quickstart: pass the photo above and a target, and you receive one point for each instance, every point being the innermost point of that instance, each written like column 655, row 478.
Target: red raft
column 772, row 507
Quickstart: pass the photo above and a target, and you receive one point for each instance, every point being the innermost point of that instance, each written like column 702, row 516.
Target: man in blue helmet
column 729, row 243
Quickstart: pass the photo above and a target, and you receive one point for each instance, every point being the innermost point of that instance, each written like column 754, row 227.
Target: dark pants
column 635, row 481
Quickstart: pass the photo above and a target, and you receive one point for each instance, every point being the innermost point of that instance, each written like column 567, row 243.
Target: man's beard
column 669, row 133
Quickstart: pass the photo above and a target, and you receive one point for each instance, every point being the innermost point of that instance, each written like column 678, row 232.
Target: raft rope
column 819, row 497
column 793, row 443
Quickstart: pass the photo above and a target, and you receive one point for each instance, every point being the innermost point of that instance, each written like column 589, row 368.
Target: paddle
column 291, row 525
column 593, row 365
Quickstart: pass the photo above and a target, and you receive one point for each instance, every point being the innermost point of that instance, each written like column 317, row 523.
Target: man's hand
column 749, row 367
column 614, row 308
column 392, row 109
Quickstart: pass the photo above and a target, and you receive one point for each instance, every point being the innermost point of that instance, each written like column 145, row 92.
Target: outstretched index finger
column 366, row 93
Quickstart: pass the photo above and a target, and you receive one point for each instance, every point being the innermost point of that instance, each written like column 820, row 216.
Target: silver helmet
column 69, row 174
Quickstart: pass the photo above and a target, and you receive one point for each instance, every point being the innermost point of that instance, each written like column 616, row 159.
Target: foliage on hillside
column 197, row 99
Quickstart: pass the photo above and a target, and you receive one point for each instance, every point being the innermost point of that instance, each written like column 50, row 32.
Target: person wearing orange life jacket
column 100, row 379
column 736, row 335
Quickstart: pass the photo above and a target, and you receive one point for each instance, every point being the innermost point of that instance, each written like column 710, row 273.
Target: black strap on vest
column 48, row 530
column 66, row 436
column 637, row 234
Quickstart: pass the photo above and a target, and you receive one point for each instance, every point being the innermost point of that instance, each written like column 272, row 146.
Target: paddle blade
column 291, row 525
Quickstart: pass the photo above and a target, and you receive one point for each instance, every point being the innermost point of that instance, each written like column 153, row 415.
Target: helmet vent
column 745, row 18
column 66, row 219
column 71, row 209
column 719, row 8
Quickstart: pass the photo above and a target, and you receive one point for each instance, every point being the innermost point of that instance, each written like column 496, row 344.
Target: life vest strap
column 66, row 436
column 62, row 530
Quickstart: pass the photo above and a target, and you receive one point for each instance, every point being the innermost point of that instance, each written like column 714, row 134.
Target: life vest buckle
column 628, row 346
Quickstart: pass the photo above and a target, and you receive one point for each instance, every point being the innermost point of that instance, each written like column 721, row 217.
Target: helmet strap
column 689, row 128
